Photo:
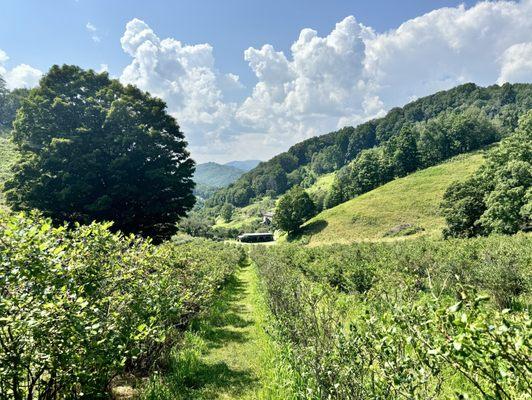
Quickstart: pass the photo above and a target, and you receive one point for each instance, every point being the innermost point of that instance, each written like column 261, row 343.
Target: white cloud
column 185, row 76
column 517, row 64
column 22, row 75
column 445, row 47
column 91, row 28
column 324, row 83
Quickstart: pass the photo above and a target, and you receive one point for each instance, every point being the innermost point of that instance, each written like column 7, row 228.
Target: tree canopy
column 94, row 149
column 293, row 209
column 9, row 104
column 498, row 198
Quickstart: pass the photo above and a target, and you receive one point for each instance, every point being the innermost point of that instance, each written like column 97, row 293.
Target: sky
column 247, row 79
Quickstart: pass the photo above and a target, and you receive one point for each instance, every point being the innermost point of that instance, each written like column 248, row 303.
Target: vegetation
column 410, row 320
column 93, row 149
column 498, row 197
column 226, row 212
column 405, row 206
column 88, row 309
column 81, row 305
column 227, row 353
column 216, row 175
column 415, row 147
column 9, row 103
column 293, row 209
column 8, row 157
column 494, row 106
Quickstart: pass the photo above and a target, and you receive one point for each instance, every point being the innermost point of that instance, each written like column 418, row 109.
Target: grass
column 322, row 184
column 8, row 156
column 412, row 202
column 247, row 216
column 227, row 354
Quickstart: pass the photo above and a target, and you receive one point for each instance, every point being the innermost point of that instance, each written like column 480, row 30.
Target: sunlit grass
column 227, row 354
column 412, row 200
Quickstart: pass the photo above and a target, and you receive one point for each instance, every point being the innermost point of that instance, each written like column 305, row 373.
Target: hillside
column 245, row 165
column 408, row 205
column 307, row 160
column 216, row 175
column 7, row 158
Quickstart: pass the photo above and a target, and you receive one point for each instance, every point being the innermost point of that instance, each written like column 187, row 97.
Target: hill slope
column 216, row 175
column 330, row 152
column 408, row 205
column 8, row 156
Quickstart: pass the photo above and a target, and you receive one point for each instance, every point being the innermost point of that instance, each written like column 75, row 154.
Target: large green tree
column 94, row 149
column 293, row 209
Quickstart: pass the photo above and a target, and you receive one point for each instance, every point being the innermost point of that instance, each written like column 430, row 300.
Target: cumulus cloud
column 20, row 76
column 446, row 47
column 517, row 64
column 325, row 82
column 185, row 76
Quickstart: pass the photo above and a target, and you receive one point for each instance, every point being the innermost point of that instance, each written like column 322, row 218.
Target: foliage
column 8, row 157
column 422, row 326
column 454, row 109
column 293, row 209
column 498, row 198
column 415, row 147
column 9, row 103
column 216, row 175
column 81, row 305
column 93, row 149
column 414, row 199
column 226, row 212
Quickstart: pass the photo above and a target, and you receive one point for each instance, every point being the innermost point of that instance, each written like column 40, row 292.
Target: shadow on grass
column 190, row 376
column 304, row 234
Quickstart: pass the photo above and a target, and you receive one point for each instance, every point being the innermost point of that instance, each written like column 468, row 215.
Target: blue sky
column 273, row 72
column 42, row 33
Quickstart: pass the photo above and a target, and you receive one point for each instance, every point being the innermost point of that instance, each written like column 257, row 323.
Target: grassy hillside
column 405, row 206
column 7, row 158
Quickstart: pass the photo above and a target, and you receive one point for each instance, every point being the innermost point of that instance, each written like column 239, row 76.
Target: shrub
column 81, row 305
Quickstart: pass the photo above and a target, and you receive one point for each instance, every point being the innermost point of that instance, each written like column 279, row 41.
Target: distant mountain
column 245, row 165
column 216, row 175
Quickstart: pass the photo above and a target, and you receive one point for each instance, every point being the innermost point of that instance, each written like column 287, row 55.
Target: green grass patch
column 410, row 201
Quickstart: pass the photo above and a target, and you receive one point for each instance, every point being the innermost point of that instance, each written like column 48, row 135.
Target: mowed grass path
column 227, row 354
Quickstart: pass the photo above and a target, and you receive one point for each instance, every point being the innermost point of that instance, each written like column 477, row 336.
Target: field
column 411, row 202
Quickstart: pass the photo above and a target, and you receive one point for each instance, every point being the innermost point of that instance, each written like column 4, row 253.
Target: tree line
column 303, row 162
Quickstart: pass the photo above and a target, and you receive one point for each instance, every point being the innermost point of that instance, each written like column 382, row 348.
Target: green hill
column 216, row 175
column 407, row 206
column 8, row 156
column 245, row 165
column 334, row 151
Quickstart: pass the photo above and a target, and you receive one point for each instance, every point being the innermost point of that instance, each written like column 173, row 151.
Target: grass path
column 227, row 354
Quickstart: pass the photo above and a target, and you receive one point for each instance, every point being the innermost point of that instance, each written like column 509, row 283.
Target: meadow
column 406, row 206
